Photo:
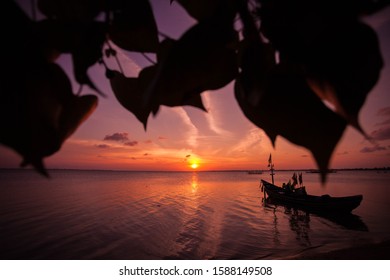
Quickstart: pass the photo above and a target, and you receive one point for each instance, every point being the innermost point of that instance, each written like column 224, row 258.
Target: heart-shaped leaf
column 203, row 59
column 345, row 68
column 129, row 92
column 290, row 109
column 42, row 112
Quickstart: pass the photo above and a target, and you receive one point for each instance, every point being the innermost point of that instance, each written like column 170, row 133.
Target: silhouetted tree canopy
column 284, row 56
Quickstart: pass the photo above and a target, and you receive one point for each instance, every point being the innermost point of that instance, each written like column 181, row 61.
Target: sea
column 119, row 215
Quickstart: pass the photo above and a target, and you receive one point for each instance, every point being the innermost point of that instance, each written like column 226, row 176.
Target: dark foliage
column 324, row 50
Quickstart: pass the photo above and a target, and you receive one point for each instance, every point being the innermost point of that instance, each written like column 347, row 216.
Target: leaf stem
column 148, row 58
column 116, row 58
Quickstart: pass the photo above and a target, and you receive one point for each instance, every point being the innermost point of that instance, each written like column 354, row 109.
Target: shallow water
column 178, row 215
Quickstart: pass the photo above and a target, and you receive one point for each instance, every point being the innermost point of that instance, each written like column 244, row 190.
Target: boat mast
column 271, row 166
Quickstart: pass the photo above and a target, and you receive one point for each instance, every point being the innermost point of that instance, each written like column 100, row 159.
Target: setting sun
column 194, row 165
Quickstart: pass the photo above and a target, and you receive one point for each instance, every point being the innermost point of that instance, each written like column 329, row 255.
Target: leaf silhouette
column 300, row 117
column 133, row 27
column 47, row 113
column 344, row 70
column 83, row 40
column 129, row 92
column 257, row 59
column 340, row 55
column 202, row 59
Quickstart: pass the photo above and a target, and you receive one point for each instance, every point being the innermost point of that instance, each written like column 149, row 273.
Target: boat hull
column 313, row 203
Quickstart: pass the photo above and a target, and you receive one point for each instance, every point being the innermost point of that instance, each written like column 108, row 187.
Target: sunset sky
column 223, row 138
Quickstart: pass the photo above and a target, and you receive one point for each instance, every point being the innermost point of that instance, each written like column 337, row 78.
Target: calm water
column 183, row 215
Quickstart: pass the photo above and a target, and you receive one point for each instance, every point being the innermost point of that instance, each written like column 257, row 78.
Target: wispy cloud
column 212, row 117
column 192, row 133
column 253, row 138
column 372, row 149
column 381, row 134
column 384, row 111
column 129, row 66
column 386, row 122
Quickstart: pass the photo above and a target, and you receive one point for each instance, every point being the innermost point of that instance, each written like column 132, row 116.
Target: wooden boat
column 324, row 203
column 347, row 220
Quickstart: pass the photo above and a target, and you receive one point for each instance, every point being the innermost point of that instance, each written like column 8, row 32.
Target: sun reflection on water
column 194, row 182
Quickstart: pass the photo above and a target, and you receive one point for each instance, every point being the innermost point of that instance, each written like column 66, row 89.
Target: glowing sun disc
column 194, row 165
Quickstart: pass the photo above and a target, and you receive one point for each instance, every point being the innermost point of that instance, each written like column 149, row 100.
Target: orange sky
column 223, row 138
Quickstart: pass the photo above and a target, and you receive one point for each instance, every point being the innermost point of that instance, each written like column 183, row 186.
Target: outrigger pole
column 271, row 166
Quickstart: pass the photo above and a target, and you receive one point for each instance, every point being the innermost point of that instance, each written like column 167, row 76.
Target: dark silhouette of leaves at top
column 341, row 55
column 38, row 109
column 133, row 27
column 324, row 50
column 288, row 97
column 203, row 59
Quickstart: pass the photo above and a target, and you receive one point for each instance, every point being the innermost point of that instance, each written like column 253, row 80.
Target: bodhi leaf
column 43, row 113
column 133, row 27
column 129, row 92
column 290, row 109
column 340, row 55
column 202, row 59
column 345, row 69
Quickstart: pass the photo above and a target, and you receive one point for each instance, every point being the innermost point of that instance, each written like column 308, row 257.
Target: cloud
column 146, row 154
column 214, row 117
column 162, row 138
column 148, row 142
column 192, row 133
column 247, row 142
column 103, row 146
column 372, row 149
column 118, row 136
column 386, row 122
column 384, row 112
column 187, row 156
column 131, row 143
column 381, row 134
